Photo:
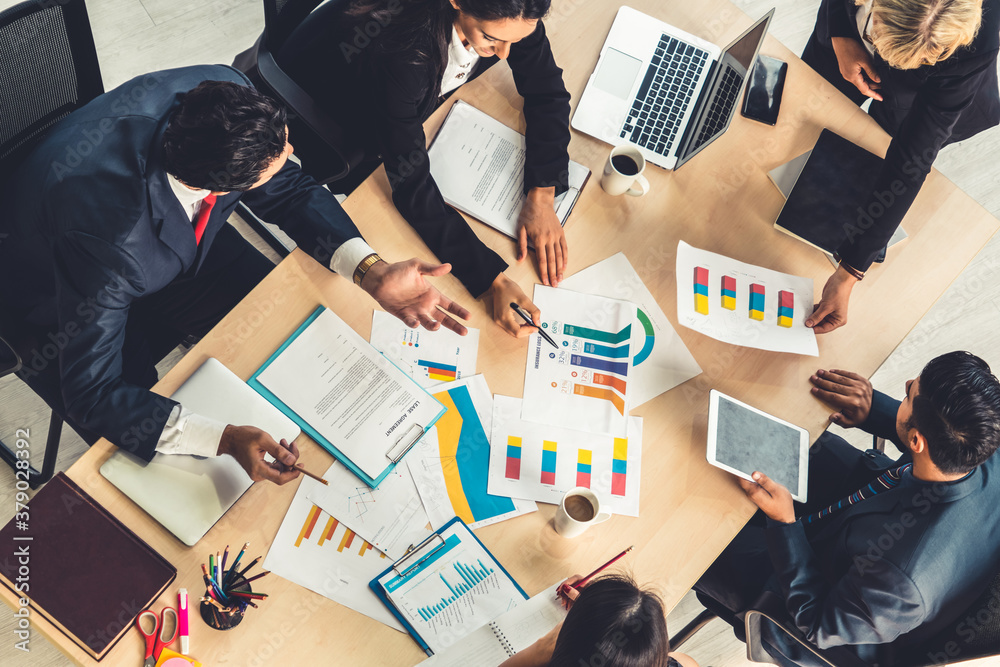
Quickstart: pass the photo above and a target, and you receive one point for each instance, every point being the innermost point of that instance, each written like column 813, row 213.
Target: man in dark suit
column 931, row 76
column 884, row 551
column 118, row 248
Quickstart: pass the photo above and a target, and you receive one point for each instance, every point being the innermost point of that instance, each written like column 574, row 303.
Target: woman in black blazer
column 933, row 81
column 379, row 67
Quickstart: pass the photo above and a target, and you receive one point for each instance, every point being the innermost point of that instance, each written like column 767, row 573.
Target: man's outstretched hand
column 402, row 290
column 248, row 445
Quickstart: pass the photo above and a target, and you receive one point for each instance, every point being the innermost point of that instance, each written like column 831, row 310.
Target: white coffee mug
column 624, row 174
column 582, row 502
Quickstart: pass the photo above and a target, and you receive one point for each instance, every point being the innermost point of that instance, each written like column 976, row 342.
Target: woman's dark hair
column 402, row 26
column 223, row 136
column 957, row 409
column 613, row 623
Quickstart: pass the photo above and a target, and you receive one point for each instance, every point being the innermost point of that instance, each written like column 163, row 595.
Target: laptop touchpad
column 617, row 73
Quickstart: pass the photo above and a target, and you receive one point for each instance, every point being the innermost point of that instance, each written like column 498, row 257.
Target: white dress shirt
column 461, row 61
column 187, row 432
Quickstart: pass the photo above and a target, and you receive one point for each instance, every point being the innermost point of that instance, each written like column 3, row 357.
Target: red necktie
column 202, row 220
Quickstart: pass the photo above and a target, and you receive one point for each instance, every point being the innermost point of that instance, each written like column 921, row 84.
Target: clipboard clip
column 404, row 443
column 418, row 551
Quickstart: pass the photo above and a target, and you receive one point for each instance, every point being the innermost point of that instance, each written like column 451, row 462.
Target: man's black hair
column 957, row 409
column 223, row 136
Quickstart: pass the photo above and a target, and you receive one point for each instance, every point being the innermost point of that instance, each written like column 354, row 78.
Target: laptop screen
column 724, row 92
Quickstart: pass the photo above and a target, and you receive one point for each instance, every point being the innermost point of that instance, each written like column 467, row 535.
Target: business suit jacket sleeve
column 874, row 603
column 546, row 112
column 400, row 89
column 881, row 419
column 927, row 127
column 840, row 18
column 95, row 285
column 305, row 211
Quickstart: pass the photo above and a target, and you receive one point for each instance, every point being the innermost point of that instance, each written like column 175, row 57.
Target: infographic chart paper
column 314, row 550
column 539, row 462
column 584, row 383
column 389, row 516
column 743, row 304
column 450, row 465
column 429, row 357
column 662, row 361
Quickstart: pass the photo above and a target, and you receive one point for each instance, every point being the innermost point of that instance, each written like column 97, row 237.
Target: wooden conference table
column 720, row 201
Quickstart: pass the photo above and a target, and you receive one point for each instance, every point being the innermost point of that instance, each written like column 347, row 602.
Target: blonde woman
column 930, row 69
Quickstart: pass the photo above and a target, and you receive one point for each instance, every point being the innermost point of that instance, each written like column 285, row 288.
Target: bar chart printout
column 786, row 309
column 583, row 384
column 451, row 589
column 744, row 304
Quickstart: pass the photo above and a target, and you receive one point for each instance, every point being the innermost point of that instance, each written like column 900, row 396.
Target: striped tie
column 887, row 480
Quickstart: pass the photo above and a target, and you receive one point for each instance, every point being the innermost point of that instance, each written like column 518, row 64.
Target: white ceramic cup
column 566, row 525
column 617, row 183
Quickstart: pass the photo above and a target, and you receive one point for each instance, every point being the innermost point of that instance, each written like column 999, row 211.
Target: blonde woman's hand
column 857, row 66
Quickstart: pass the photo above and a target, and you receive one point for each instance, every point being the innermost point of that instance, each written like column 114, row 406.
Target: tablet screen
column 747, row 440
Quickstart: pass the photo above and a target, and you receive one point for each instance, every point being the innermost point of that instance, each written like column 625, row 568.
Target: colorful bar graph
column 470, row 576
column 331, row 526
column 308, row 526
column 757, row 302
column 619, row 367
column 610, row 381
column 583, row 458
column 599, row 336
column 619, row 352
column 513, row 457
column 786, row 309
column 729, row 292
column 439, row 372
column 602, row 393
column 548, row 462
column 701, row 290
column 619, row 467
column 345, row 542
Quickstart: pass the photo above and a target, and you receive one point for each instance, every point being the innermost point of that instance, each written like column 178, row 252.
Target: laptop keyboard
column 722, row 105
column 664, row 95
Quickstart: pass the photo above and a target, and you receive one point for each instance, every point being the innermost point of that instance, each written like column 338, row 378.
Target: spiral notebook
column 506, row 635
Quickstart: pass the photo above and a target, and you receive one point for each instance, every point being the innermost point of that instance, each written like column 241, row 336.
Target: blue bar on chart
column 471, row 576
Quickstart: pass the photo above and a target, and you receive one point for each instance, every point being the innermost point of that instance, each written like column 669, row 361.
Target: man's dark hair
column 223, row 136
column 957, row 409
column 616, row 622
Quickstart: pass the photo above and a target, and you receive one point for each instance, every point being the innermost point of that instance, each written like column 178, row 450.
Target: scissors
column 156, row 639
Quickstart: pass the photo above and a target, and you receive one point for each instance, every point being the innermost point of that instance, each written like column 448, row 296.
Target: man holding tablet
column 884, row 551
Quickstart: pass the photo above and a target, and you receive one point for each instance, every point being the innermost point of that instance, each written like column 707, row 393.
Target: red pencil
column 583, row 582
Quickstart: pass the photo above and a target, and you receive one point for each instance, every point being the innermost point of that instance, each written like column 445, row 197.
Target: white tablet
column 742, row 439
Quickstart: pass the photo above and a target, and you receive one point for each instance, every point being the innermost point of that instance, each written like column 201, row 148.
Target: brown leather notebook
column 86, row 572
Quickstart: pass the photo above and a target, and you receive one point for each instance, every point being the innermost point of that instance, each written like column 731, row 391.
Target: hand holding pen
column 569, row 590
column 530, row 321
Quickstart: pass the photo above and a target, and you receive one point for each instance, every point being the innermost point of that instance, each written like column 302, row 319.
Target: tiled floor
column 136, row 36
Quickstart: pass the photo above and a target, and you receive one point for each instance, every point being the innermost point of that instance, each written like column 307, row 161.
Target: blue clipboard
column 313, row 433
column 418, row 555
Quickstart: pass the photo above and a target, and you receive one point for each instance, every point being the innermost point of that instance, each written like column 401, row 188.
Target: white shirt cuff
column 188, row 433
column 347, row 257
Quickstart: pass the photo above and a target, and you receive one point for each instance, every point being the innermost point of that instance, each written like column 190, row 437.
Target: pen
column 583, row 582
column 527, row 320
column 298, row 466
column 182, row 620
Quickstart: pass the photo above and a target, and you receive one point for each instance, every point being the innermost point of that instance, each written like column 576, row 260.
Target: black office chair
column 48, row 69
column 328, row 154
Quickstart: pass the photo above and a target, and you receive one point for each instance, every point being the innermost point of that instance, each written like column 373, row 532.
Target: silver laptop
column 189, row 494
column 663, row 90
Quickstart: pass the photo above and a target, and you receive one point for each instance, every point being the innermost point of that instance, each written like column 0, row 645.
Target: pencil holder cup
column 223, row 620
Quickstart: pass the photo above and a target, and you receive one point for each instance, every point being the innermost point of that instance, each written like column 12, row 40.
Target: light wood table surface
column 721, row 201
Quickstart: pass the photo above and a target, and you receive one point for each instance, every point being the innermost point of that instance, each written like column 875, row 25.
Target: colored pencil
column 252, row 596
column 305, row 472
column 247, row 568
column 583, row 582
column 225, row 555
column 232, row 568
column 257, row 576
